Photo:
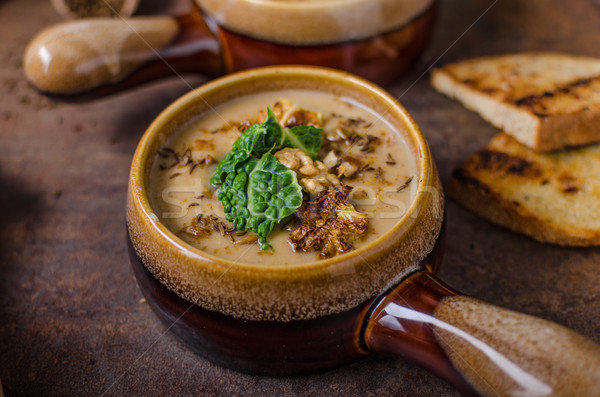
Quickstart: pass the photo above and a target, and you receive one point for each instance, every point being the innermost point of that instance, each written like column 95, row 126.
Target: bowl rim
column 140, row 191
column 304, row 23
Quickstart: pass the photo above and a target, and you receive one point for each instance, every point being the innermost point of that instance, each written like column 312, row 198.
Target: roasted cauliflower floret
column 290, row 114
column 330, row 224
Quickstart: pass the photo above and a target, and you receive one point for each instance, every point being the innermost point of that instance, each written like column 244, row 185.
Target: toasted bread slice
column 552, row 197
column 547, row 101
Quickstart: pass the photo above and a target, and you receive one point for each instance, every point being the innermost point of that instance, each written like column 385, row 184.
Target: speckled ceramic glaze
column 292, row 292
column 381, row 297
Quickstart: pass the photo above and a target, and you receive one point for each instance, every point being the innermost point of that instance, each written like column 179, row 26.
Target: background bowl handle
column 93, row 57
column 480, row 348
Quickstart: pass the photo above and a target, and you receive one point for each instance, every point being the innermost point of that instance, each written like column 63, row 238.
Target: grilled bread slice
column 547, row 101
column 552, row 197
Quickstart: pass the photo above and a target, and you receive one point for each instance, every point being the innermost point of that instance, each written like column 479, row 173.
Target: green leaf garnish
column 273, row 194
column 256, row 190
column 304, row 137
column 257, row 140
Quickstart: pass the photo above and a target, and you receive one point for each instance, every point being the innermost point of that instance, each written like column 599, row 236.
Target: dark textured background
column 71, row 319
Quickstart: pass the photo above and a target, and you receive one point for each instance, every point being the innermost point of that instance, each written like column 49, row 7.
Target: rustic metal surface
column 71, row 319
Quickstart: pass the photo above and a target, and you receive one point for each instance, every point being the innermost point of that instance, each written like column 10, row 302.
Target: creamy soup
column 368, row 155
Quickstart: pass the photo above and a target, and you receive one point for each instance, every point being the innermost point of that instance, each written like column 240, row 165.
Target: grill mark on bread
column 535, row 100
column 547, row 101
column 505, row 164
column 568, row 183
column 560, row 206
column 582, row 82
column 464, row 176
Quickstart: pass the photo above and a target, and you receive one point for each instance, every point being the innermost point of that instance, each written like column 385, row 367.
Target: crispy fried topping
column 185, row 159
column 346, row 132
column 330, row 224
column 203, row 225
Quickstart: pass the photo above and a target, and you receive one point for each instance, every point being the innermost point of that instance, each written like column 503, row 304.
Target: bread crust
column 547, row 101
column 549, row 197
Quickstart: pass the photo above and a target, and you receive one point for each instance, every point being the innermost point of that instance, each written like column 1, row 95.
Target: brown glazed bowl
column 381, row 297
column 85, row 59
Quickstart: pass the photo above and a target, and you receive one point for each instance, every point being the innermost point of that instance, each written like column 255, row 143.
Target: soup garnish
column 210, row 180
column 258, row 182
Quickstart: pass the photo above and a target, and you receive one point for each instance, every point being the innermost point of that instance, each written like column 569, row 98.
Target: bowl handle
column 94, row 57
column 479, row 348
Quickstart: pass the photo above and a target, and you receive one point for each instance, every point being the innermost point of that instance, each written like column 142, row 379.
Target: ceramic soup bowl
column 278, row 317
column 377, row 39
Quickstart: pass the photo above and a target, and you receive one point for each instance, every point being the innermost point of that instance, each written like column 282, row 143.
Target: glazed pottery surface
column 93, row 57
column 281, row 320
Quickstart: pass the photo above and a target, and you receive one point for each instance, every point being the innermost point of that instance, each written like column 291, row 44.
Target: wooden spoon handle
column 106, row 55
column 480, row 348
